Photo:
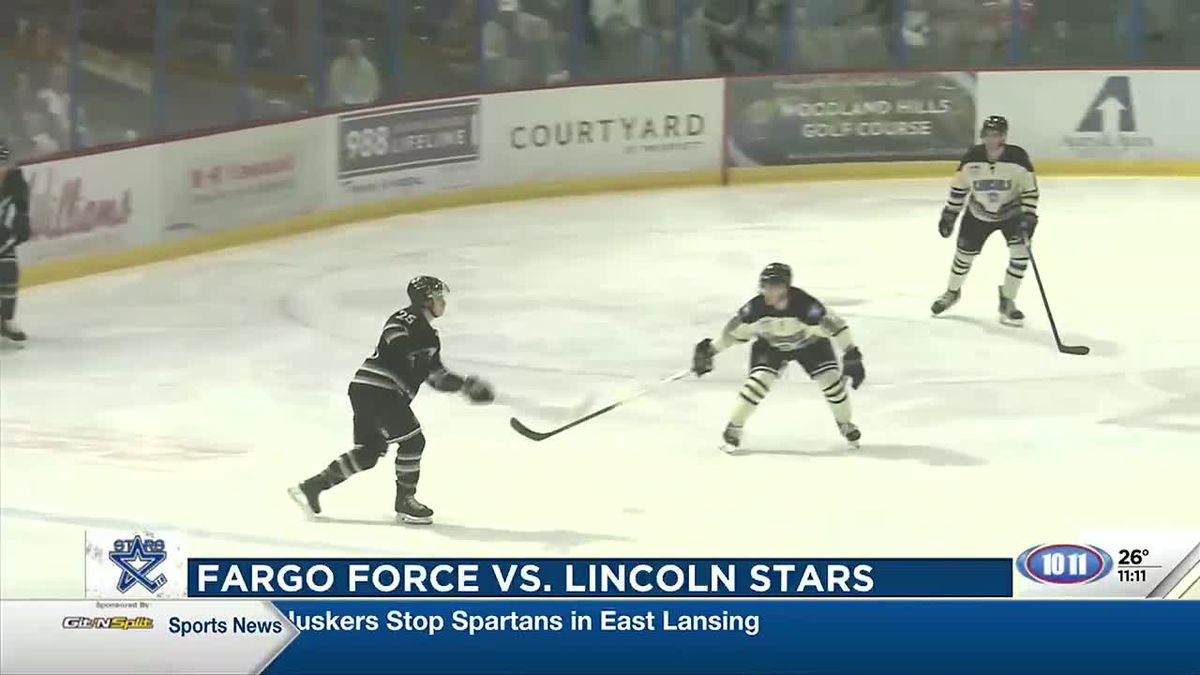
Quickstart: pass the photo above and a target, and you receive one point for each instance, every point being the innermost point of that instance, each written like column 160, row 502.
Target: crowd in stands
column 148, row 67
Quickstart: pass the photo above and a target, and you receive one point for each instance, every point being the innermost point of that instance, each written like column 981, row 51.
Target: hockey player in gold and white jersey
column 997, row 184
column 787, row 324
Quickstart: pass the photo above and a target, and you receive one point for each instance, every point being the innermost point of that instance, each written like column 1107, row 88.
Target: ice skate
column 10, row 330
column 413, row 512
column 945, row 301
column 307, row 496
column 850, row 433
column 732, row 439
column 1009, row 314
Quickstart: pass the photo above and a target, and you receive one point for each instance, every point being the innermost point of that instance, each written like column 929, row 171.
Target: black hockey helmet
column 996, row 123
column 775, row 273
column 423, row 289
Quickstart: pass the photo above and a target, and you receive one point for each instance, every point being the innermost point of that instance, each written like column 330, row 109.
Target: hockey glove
column 852, row 367
column 946, row 224
column 478, row 390
column 1029, row 223
column 444, row 380
column 702, row 358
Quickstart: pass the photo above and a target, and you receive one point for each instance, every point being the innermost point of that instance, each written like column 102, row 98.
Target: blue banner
column 743, row 636
column 558, row 578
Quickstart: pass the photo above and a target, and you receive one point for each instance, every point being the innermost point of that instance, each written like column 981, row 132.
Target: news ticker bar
column 716, row 635
column 1101, row 564
column 567, row 578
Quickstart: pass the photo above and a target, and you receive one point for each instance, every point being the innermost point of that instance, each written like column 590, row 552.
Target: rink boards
column 110, row 210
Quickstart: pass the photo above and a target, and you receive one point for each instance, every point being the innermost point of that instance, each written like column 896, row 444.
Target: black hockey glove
column 702, row 358
column 478, row 390
column 946, row 224
column 852, row 367
column 1029, row 223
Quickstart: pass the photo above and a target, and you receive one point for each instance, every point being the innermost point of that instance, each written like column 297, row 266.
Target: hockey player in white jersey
column 786, row 325
column 996, row 183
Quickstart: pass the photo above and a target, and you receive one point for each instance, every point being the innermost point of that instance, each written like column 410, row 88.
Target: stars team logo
column 137, row 558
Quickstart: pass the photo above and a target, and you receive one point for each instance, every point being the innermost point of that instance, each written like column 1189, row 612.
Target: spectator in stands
column 619, row 24
column 457, row 51
column 30, row 123
column 821, row 42
column 562, row 17
column 727, row 24
column 1076, row 33
column 56, row 97
column 661, row 19
column 353, row 79
column 993, row 29
column 270, row 46
column 518, row 48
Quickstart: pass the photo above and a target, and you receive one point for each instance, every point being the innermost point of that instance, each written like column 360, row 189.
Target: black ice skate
column 945, row 301
column 307, row 496
column 409, row 510
column 850, row 433
column 1009, row 314
column 732, row 438
column 10, row 330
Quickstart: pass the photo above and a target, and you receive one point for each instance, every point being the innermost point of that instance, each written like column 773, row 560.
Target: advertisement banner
column 93, row 204
column 253, row 176
column 1101, row 115
column 580, row 132
column 810, row 119
column 405, row 150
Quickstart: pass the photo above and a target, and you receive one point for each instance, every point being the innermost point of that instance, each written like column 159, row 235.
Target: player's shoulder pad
column 975, row 153
column 1015, row 154
column 404, row 318
column 808, row 309
column 753, row 310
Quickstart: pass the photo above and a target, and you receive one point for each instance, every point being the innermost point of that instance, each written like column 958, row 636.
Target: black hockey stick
column 1078, row 350
column 543, row 435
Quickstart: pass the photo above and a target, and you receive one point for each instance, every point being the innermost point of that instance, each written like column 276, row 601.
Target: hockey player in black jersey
column 14, row 231
column 408, row 354
column 996, row 183
column 786, row 325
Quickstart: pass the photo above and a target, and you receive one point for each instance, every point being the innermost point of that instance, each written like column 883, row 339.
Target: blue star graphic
column 135, row 552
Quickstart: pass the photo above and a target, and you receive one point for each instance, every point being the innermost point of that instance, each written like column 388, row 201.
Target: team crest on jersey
column 993, row 185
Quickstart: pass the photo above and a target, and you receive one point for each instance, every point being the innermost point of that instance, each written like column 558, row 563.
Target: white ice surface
column 188, row 395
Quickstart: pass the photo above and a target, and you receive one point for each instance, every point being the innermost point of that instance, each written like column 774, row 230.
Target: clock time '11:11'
column 1132, row 576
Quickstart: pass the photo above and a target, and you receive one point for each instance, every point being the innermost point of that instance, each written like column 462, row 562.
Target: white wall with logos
column 242, row 177
column 1098, row 115
column 110, row 201
column 605, row 130
column 93, row 204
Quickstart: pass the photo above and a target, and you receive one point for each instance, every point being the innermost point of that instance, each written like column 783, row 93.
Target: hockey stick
column 543, row 435
column 1078, row 350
